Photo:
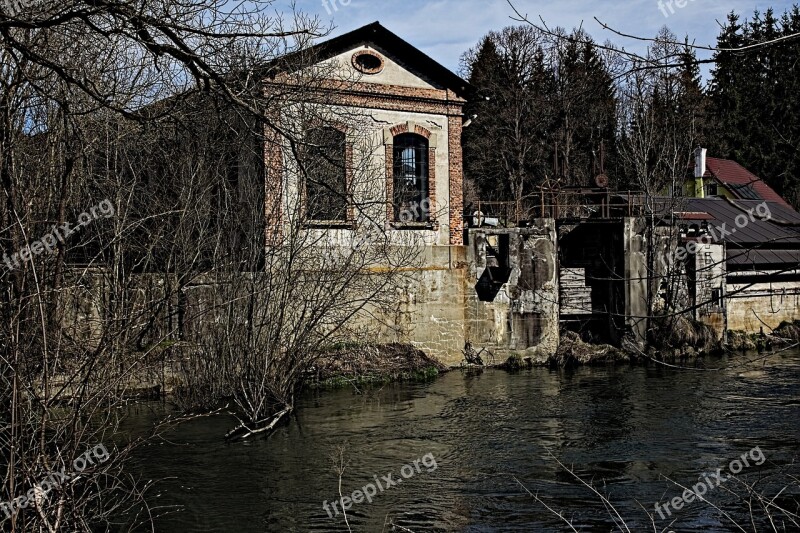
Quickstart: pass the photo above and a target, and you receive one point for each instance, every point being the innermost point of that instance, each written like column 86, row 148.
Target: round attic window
column 368, row 62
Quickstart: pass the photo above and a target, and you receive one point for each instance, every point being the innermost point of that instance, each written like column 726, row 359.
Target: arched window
column 325, row 172
column 411, row 185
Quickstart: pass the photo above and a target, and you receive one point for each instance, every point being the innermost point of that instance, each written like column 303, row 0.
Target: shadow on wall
column 498, row 268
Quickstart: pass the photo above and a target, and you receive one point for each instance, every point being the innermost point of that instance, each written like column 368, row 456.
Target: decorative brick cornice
column 378, row 96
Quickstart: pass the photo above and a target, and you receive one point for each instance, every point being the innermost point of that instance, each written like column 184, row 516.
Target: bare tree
column 151, row 118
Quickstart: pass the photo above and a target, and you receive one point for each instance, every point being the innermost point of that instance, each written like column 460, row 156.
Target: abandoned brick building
column 512, row 289
column 384, row 139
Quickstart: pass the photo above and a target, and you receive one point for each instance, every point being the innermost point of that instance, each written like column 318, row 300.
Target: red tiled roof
column 734, row 175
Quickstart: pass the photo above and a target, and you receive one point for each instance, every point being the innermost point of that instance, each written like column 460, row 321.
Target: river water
column 623, row 429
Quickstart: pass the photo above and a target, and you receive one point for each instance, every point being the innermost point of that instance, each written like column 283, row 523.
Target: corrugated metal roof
column 754, row 258
column 745, row 192
column 768, row 238
column 732, row 222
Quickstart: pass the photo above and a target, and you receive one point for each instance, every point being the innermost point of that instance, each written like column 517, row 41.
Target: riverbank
column 627, row 427
column 377, row 364
column 369, row 365
column 360, row 365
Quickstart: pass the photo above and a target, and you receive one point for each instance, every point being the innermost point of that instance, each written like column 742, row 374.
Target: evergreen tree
column 506, row 147
column 664, row 110
column 587, row 117
column 550, row 113
column 755, row 99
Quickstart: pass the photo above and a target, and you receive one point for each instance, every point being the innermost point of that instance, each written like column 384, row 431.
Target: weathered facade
column 747, row 260
column 401, row 115
column 511, row 290
column 383, row 128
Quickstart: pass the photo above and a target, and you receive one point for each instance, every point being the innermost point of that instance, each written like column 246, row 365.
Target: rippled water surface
column 623, row 428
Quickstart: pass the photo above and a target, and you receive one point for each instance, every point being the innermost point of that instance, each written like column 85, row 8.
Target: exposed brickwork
column 399, row 129
column 361, row 68
column 410, row 100
column 376, row 89
column 456, row 181
column 273, row 188
column 349, row 181
column 419, row 130
column 403, row 128
column 389, row 182
column 432, row 182
column 399, row 104
column 387, row 97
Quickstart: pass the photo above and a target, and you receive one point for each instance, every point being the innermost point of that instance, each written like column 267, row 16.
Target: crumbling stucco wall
column 636, row 277
column 522, row 317
column 440, row 308
column 761, row 305
column 429, row 311
column 710, row 269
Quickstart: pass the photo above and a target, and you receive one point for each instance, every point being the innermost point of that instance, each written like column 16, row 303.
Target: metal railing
column 579, row 203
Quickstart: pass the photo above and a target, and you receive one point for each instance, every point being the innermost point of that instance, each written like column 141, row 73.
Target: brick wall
column 412, row 100
column 456, row 181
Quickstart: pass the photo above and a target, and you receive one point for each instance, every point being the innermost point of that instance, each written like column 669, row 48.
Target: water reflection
column 623, row 427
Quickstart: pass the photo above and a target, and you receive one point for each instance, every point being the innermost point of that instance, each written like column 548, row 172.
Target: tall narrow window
column 325, row 175
column 410, row 177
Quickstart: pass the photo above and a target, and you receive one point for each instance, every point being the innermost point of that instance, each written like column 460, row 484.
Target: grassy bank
column 372, row 364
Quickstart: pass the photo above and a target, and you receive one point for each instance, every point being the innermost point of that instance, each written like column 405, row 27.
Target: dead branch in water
column 250, row 431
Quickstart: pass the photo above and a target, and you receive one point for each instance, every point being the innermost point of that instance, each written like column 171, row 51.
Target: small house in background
column 744, row 272
column 724, row 178
column 739, row 218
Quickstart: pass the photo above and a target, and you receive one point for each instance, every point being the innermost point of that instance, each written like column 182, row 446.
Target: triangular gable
column 399, row 55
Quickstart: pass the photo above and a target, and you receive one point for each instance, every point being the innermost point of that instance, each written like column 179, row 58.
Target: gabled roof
column 740, row 181
column 401, row 51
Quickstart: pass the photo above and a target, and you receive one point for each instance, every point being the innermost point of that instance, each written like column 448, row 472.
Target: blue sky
column 445, row 29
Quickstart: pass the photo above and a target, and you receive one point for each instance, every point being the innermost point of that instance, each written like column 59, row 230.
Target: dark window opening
column 497, row 271
column 326, row 176
column 716, row 297
column 410, row 178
